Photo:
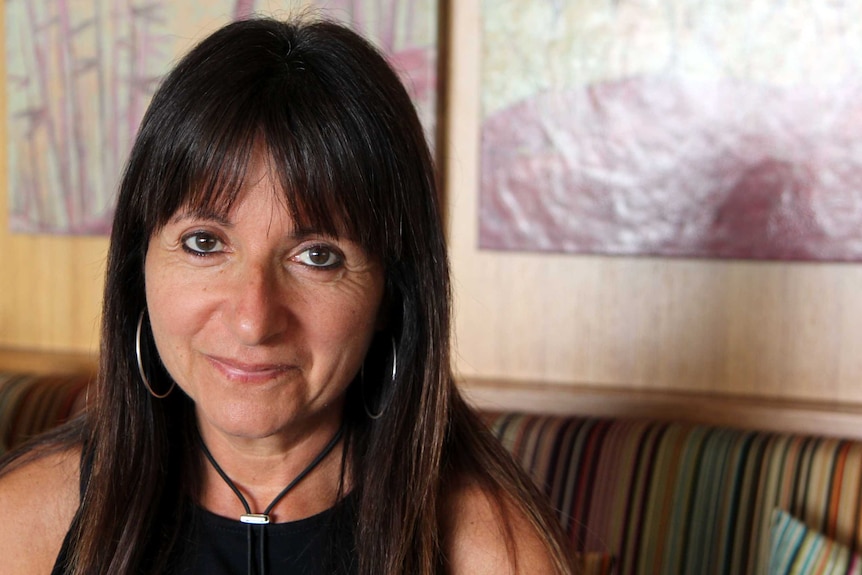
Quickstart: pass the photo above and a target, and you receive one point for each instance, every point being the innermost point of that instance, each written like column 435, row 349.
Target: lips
column 248, row 372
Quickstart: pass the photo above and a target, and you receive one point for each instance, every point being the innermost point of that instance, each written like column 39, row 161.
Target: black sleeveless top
column 308, row 546
column 217, row 545
column 213, row 545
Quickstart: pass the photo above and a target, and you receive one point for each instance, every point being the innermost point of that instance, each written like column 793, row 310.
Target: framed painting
column 721, row 129
column 80, row 74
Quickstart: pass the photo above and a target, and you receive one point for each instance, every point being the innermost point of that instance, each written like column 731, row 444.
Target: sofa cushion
column 798, row 550
column 31, row 404
column 595, row 564
column 679, row 498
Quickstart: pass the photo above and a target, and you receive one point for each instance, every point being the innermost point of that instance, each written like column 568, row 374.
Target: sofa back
column 31, row 404
column 659, row 497
column 666, row 498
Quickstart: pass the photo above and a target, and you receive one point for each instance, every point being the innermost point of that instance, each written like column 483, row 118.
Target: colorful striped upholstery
column 30, row 404
column 661, row 498
column 795, row 549
column 676, row 498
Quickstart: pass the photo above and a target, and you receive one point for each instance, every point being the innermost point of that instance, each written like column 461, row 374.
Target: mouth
column 247, row 372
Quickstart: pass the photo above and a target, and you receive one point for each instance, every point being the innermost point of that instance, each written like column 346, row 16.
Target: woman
column 275, row 392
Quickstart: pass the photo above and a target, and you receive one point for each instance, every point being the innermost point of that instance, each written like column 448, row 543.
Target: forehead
column 260, row 201
column 262, row 197
column 219, row 197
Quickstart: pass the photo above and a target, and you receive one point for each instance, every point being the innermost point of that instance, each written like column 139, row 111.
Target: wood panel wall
column 731, row 328
column 50, row 287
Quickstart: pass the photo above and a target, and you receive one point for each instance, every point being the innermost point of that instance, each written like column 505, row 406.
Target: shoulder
column 38, row 500
column 485, row 532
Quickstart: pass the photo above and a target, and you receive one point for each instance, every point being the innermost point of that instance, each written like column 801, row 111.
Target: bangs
column 321, row 179
column 334, row 129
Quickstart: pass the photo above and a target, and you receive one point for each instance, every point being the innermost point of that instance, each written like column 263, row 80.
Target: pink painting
column 673, row 128
column 80, row 74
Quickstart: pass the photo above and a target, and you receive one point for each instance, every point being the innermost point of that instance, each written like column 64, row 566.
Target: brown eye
column 202, row 243
column 320, row 257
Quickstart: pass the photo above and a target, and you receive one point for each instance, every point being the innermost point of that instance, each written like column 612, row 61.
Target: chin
column 259, row 419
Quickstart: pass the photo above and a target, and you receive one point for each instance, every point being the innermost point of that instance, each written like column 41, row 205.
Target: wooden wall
column 50, row 287
column 727, row 329
column 770, row 330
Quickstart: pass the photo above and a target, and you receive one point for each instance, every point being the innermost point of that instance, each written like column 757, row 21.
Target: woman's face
column 262, row 324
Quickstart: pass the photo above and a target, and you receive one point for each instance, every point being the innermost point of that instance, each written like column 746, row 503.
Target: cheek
column 344, row 325
column 174, row 308
column 167, row 320
column 335, row 327
column 162, row 300
column 357, row 315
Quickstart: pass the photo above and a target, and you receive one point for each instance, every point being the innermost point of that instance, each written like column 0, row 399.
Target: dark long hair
column 343, row 137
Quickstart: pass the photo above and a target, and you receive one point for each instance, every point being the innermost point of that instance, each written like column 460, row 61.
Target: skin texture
column 37, row 503
column 475, row 538
column 264, row 326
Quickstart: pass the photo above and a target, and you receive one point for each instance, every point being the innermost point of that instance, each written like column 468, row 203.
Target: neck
column 261, row 469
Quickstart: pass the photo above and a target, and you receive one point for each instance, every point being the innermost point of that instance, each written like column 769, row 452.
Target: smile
column 247, row 372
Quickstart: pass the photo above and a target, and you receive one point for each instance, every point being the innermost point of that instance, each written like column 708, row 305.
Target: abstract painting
column 720, row 129
column 80, row 74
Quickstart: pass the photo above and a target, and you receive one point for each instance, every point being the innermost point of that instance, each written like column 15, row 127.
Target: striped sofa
column 30, row 404
column 642, row 496
column 674, row 498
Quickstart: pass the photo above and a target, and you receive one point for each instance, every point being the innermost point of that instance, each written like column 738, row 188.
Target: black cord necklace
column 262, row 519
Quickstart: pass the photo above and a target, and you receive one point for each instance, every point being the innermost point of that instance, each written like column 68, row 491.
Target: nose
column 256, row 311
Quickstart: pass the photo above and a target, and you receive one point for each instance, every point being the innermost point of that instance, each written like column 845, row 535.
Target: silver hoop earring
column 384, row 403
column 141, row 363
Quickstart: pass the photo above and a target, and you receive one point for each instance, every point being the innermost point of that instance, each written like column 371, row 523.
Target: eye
column 320, row 256
column 202, row 243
